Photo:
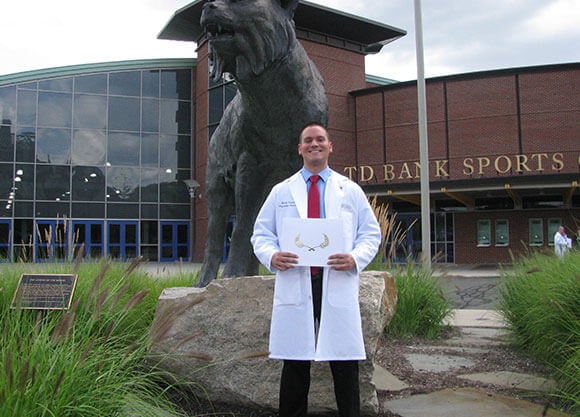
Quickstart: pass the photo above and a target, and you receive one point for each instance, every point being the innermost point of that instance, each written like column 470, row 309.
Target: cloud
column 555, row 19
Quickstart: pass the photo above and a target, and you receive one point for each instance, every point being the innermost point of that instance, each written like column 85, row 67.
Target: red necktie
column 314, row 208
column 314, row 198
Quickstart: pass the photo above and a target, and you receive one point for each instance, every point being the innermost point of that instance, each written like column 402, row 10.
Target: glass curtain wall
column 90, row 149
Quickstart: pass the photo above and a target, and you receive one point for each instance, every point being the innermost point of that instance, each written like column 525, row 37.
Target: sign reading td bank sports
column 468, row 167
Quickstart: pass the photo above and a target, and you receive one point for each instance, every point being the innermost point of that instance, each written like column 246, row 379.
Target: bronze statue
column 255, row 144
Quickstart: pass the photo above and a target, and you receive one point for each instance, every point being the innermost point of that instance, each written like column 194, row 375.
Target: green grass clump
column 540, row 300
column 422, row 305
column 90, row 360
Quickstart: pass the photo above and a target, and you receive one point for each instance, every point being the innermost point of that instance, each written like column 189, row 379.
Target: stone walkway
column 480, row 330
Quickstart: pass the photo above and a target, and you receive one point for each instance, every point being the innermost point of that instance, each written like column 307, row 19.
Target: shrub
column 540, row 300
column 421, row 306
column 88, row 361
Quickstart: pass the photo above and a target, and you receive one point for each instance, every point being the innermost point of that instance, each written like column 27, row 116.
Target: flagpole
column 423, row 142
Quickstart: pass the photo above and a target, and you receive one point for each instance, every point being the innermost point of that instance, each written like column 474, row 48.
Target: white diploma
column 313, row 240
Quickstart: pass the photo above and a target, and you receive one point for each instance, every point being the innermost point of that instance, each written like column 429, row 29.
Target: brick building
column 106, row 153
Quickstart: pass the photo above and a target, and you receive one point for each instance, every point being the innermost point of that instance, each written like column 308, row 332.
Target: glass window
column 24, row 182
column 52, row 182
column 175, row 117
column 23, row 231
column 94, row 83
column 54, row 109
column 124, row 114
column 25, row 144
column 440, row 233
column 6, row 143
column 90, row 111
column 149, row 150
column 149, row 185
column 149, row 252
column 536, row 232
column 175, row 152
column 554, row 224
column 122, row 211
column 125, row 83
column 88, row 183
column 172, row 187
column 149, row 232
column 23, row 209
column 149, row 211
column 122, row 184
column 6, row 183
column 26, row 110
column 483, row 233
column 123, row 148
column 89, row 147
column 7, row 105
column 56, row 84
column 150, row 115
column 183, row 152
column 53, row 146
column 88, row 210
column 175, row 211
column 502, row 233
column 33, row 85
column 52, row 209
column 151, row 83
column 176, row 84
column 168, row 145
column 216, row 105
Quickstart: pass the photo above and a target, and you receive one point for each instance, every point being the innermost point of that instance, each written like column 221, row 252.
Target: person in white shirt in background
column 562, row 243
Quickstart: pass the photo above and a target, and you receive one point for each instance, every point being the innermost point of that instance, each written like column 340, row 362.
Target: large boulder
column 216, row 338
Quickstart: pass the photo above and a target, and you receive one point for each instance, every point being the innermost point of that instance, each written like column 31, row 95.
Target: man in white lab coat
column 316, row 313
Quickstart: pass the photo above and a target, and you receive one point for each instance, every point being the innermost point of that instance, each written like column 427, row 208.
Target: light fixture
column 19, row 172
column 192, row 187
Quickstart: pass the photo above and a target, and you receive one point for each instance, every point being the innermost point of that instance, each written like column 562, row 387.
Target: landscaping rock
column 217, row 339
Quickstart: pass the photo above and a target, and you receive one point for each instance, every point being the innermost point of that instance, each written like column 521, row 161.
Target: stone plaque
column 44, row 291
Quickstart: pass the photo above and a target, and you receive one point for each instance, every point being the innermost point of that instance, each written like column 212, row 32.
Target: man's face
column 315, row 147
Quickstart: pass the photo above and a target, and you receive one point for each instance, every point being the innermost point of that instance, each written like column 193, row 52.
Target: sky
column 459, row 36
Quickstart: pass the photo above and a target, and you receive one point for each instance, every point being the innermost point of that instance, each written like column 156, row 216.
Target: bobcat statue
column 255, row 145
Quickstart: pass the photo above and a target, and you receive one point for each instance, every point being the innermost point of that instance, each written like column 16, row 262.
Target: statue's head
column 246, row 36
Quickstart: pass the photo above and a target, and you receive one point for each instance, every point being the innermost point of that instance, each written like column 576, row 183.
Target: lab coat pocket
column 342, row 289
column 288, row 288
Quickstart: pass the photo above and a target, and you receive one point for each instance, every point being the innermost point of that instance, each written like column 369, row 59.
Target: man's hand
column 284, row 260
column 341, row 262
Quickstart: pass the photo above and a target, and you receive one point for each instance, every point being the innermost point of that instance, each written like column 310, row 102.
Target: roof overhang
column 467, row 192
column 308, row 17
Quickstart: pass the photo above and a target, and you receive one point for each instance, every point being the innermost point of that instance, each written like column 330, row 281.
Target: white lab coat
column 292, row 331
column 561, row 244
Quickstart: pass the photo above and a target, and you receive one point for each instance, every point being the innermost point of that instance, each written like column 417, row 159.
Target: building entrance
column 174, row 241
column 123, row 239
column 88, row 235
column 409, row 248
column 52, row 241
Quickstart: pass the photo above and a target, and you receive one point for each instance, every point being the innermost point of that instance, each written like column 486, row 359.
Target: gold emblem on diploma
column 300, row 244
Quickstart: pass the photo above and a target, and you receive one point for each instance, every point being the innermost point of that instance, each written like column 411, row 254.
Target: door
column 408, row 248
column 123, row 239
column 51, row 241
column 89, row 236
column 174, row 241
column 5, row 240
